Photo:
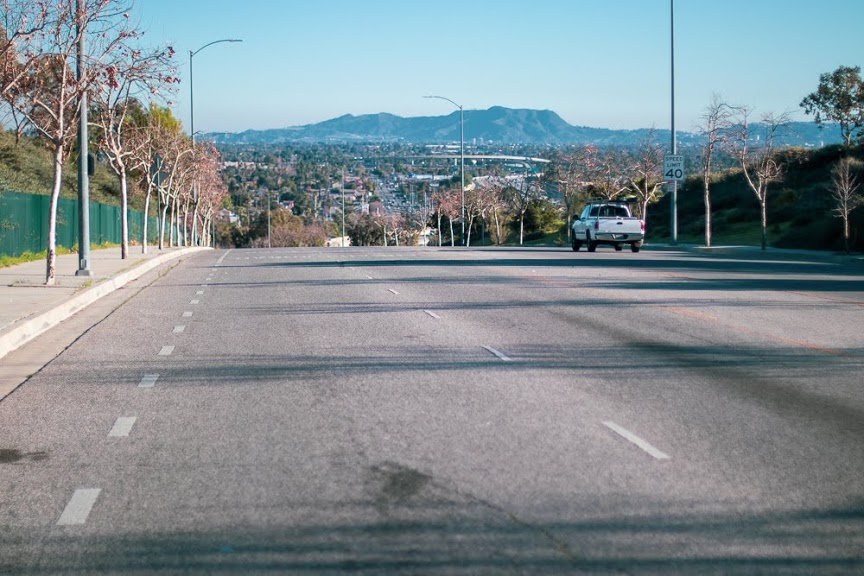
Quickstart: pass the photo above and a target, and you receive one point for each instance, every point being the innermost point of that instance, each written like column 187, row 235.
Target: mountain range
column 497, row 125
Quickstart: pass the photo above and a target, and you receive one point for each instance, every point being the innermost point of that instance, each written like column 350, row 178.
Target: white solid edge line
column 500, row 355
column 122, row 426
column 629, row 436
column 148, row 380
column 432, row 314
column 79, row 507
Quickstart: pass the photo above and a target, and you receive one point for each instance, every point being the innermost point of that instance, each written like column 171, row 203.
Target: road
column 425, row 410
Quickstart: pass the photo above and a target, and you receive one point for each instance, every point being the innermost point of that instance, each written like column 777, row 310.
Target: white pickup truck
column 607, row 222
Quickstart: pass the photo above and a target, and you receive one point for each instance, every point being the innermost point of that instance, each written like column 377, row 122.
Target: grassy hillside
column 799, row 208
column 28, row 167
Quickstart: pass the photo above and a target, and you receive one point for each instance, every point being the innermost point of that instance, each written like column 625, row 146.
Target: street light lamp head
column 461, row 155
column 194, row 52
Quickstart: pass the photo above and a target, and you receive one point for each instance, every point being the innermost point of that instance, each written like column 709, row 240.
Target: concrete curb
column 34, row 327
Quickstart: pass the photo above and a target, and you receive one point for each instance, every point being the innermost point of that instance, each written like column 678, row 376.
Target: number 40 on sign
column 673, row 167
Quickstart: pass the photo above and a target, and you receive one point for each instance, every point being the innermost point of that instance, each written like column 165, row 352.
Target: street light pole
column 343, row 206
column 461, row 155
column 83, row 156
column 674, row 201
column 192, row 54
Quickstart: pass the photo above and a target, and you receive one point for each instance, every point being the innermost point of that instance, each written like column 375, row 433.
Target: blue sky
column 601, row 63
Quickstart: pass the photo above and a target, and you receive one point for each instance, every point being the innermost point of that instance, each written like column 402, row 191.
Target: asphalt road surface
column 450, row 411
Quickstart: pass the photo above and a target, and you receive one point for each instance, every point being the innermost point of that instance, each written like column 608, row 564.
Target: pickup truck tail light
column 596, row 225
column 642, row 223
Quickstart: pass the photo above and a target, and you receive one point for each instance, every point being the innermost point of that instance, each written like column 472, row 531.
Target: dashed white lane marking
column 148, row 380
column 369, row 277
column 166, row 350
column 630, row 437
column 79, row 507
column 204, row 285
column 194, row 301
column 199, row 292
column 122, row 427
column 219, row 262
column 500, row 355
column 179, row 328
column 187, row 314
column 432, row 314
column 393, row 291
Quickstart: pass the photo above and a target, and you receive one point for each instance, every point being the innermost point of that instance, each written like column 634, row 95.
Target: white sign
column 673, row 167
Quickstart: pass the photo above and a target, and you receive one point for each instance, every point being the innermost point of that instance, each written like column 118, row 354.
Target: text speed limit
column 673, row 167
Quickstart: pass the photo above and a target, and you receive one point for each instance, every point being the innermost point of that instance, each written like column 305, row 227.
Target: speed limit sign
column 673, row 167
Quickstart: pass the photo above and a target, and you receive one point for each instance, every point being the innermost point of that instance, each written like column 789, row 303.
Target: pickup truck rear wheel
column 618, row 247
column 592, row 245
column 577, row 244
column 635, row 246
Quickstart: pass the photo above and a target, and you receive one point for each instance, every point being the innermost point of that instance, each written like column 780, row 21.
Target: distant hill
column 496, row 125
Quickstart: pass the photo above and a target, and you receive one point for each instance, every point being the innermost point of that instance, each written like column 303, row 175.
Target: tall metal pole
column 83, row 153
column 461, row 154
column 674, row 202
column 343, row 206
column 192, row 54
column 462, row 168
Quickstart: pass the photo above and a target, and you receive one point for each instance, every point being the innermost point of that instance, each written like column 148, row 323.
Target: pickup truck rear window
column 613, row 212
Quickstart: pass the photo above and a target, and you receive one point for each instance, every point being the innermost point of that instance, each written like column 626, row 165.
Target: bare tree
column 571, row 171
column 757, row 154
column 494, row 190
column 131, row 75
column 522, row 190
column 447, row 205
column 49, row 93
column 716, row 122
column 21, row 21
column 644, row 171
column 844, row 190
column 605, row 179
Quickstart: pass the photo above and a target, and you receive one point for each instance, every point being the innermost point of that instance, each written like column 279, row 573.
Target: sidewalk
column 28, row 308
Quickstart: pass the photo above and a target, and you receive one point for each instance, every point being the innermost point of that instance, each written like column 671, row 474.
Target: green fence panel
column 24, row 223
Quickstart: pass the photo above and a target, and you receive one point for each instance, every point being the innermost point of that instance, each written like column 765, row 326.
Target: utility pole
column 343, row 206
column 674, row 202
column 83, row 154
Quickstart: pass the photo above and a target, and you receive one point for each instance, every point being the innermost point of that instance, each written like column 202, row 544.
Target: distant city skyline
column 602, row 64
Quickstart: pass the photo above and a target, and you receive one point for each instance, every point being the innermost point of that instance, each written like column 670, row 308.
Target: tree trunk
column 706, row 185
column 51, row 251
column 468, row 236
column 172, row 231
column 162, row 223
column 521, row 228
column 124, row 215
column 497, row 229
column 764, row 206
column 846, row 232
column 144, row 224
column 452, row 238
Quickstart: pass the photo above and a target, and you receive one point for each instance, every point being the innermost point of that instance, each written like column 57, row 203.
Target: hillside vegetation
column 27, row 167
column 800, row 207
